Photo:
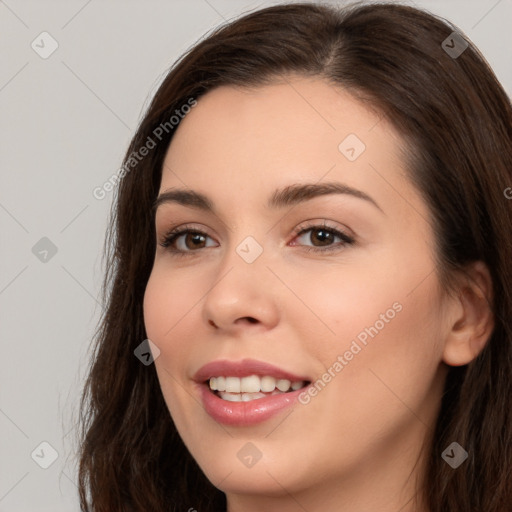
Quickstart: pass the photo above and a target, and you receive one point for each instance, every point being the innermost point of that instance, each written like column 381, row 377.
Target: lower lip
column 246, row 413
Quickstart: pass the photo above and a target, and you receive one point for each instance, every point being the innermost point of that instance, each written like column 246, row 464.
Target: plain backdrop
column 65, row 123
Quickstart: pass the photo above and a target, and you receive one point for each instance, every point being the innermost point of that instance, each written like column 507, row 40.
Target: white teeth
column 247, row 397
column 283, row 385
column 231, row 397
column 297, row 385
column 251, row 385
column 233, row 384
column 221, row 383
column 268, row 384
column 240, row 397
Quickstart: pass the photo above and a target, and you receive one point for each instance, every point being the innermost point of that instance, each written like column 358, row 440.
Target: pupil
column 196, row 238
column 324, row 236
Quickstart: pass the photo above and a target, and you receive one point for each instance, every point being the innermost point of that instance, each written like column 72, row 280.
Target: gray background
column 65, row 123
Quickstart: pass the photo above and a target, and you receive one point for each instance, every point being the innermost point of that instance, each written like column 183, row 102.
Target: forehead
column 238, row 147
column 288, row 112
column 295, row 124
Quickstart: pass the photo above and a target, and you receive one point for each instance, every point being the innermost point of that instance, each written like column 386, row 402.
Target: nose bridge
column 242, row 289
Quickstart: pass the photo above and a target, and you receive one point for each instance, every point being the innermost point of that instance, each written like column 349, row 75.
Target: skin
column 356, row 445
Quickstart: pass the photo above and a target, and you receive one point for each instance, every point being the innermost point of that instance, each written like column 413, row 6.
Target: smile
column 253, row 387
column 246, row 392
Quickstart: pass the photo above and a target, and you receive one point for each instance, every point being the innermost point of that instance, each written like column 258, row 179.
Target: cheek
column 157, row 305
column 165, row 315
column 379, row 378
column 167, row 302
column 385, row 325
column 343, row 303
column 163, row 309
column 389, row 361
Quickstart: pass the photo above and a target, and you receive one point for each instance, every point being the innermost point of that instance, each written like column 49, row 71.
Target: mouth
column 252, row 387
column 247, row 392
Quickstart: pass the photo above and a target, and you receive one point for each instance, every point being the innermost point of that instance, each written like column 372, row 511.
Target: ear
column 473, row 319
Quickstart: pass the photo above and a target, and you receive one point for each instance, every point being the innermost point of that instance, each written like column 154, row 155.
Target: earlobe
column 474, row 324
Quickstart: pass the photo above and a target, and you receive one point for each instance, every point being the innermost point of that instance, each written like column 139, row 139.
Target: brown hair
column 457, row 120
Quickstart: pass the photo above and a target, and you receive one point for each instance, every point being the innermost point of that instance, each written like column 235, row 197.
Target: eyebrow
column 281, row 198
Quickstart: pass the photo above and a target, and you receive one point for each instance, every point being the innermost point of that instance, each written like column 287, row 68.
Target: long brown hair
column 457, row 121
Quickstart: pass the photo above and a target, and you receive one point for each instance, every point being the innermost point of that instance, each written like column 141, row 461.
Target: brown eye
column 185, row 240
column 193, row 240
column 323, row 236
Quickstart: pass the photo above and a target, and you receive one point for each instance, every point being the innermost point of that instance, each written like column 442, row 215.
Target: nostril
column 251, row 320
column 212, row 323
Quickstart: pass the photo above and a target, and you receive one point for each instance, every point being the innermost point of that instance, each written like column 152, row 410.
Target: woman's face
column 286, row 285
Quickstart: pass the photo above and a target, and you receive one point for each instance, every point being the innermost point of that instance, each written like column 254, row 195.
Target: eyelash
column 170, row 237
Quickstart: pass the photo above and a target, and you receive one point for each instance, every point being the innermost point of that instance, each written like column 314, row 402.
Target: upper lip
column 244, row 368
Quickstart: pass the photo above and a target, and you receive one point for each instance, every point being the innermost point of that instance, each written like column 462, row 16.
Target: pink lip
column 243, row 368
column 244, row 413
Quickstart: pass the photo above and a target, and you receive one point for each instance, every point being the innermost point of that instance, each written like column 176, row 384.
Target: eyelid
column 181, row 230
column 174, row 233
column 323, row 223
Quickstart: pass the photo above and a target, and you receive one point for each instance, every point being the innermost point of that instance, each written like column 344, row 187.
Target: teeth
column 243, row 397
column 231, row 397
column 233, row 384
column 251, row 385
column 247, row 397
column 297, row 385
column 268, row 384
column 283, row 385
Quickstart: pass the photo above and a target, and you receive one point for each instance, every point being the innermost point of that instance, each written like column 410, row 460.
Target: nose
column 245, row 296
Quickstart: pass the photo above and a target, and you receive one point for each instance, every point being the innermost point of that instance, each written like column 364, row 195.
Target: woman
column 312, row 230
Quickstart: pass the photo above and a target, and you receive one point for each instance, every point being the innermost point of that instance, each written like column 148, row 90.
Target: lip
column 244, row 368
column 244, row 413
